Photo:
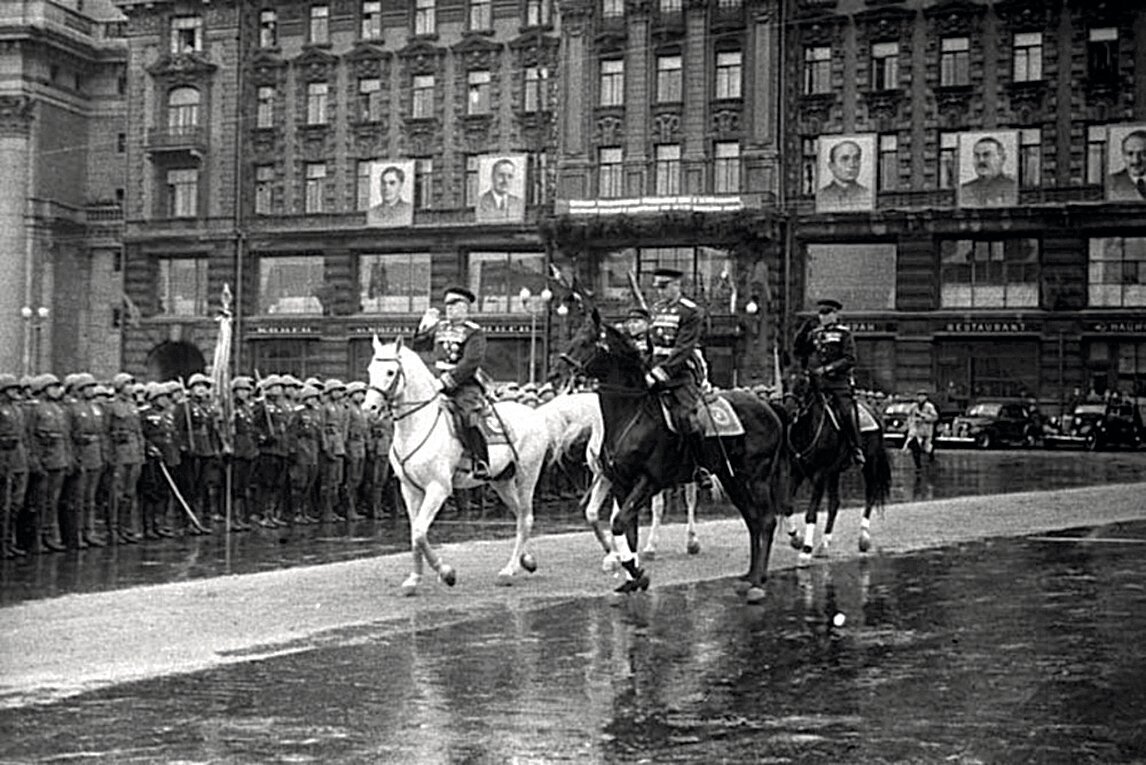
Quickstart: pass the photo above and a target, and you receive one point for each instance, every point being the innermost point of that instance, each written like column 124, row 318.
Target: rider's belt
column 662, row 350
column 445, row 366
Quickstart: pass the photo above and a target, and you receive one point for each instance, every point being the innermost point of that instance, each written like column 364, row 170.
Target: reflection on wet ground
column 957, row 473
column 999, row 651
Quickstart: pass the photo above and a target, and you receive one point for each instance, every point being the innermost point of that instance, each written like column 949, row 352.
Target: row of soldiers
column 153, row 459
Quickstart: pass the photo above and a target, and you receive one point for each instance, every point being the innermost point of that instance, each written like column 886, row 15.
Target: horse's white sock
column 624, row 552
column 827, row 540
column 865, row 523
column 809, row 534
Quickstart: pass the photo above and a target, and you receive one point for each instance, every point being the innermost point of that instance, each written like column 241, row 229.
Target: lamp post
column 34, row 320
column 534, row 306
column 752, row 309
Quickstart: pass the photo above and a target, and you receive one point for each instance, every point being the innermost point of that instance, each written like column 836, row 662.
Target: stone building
column 958, row 181
column 272, row 135
column 62, row 143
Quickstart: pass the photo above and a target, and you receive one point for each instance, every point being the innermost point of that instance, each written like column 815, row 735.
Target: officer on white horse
column 459, row 345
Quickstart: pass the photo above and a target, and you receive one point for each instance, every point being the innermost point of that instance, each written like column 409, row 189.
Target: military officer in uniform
column 828, row 351
column 126, row 456
column 197, row 422
column 459, row 347
column 636, row 326
column 161, row 448
column 675, row 336
column 272, row 418
column 13, row 464
column 52, row 457
column 357, row 432
column 245, row 451
column 336, row 421
column 307, row 436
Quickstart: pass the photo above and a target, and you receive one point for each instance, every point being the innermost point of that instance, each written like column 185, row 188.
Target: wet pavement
column 1006, row 650
column 957, row 473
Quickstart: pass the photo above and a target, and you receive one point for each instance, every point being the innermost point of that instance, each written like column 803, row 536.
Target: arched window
column 183, row 109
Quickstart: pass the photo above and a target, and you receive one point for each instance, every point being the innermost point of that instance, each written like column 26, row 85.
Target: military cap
column 83, row 380
column 456, row 293
column 69, row 381
column 355, row 386
column 138, row 387
column 923, row 392
column 198, row 379
column 26, row 381
column 42, row 382
column 639, row 313
column 668, row 273
column 829, row 303
column 313, row 381
column 242, row 381
column 529, row 388
column 121, row 379
column 290, row 381
column 8, row 381
column 270, row 380
column 154, row 390
column 308, row 391
column 103, row 390
column 172, row 387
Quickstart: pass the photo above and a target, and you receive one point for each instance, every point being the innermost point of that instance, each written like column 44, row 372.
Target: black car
column 895, row 421
column 995, row 422
column 1099, row 425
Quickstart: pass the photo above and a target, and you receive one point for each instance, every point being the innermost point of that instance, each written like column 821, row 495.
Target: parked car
column 895, row 421
column 1100, row 425
column 1076, row 426
column 988, row 423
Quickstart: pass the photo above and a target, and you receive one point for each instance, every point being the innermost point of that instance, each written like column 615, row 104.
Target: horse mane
column 622, row 348
column 411, row 362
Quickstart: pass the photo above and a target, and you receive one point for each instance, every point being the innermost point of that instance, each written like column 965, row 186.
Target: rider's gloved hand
column 429, row 319
column 650, row 380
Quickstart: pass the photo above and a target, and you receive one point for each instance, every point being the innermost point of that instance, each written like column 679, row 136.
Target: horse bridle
column 387, row 393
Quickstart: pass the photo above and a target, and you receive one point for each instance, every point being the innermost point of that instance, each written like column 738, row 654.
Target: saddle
column 714, row 415
column 489, row 423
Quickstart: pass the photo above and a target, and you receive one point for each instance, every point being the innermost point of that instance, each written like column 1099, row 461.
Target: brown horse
column 641, row 456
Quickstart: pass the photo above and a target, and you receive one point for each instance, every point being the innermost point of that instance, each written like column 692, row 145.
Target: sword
column 179, row 496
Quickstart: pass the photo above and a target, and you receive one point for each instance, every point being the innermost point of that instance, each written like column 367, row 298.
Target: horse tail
column 877, row 471
column 563, row 431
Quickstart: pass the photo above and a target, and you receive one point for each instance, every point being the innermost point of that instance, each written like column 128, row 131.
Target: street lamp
column 534, row 306
column 33, row 322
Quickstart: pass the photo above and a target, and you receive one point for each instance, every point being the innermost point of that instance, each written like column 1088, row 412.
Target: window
column 613, row 9
column 319, row 24
column 1102, row 55
column 478, row 92
column 954, row 61
column 612, row 82
column 186, row 34
column 316, row 93
column 481, row 15
column 727, row 168
column 182, row 193
column 183, row 286
column 425, row 20
column 120, row 143
column 370, row 99
column 362, row 184
column 1028, row 57
column 729, row 67
column 1117, row 272
column 609, row 178
column 394, row 282
column 294, row 356
column 497, row 278
column 668, row 79
column 669, row 6
column 817, row 70
column 1095, row 154
column 265, row 108
column 536, row 97
column 885, row 66
column 862, row 274
column 315, row 187
column 888, row 162
column 424, row 183
column 808, row 159
column 667, row 170
column 268, row 28
column 423, row 96
column 287, row 284
column 989, row 273
column 948, row 156
column 264, row 189
column 371, row 20
column 1030, row 157
column 472, row 168
column 538, row 13
column 537, row 179
column 182, row 110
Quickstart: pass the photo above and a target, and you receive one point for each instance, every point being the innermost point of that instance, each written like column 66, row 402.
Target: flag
column 133, row 312
column 221, row 363
column 776, row 370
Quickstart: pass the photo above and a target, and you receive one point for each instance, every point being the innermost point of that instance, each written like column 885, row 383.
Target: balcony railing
column 188, row 138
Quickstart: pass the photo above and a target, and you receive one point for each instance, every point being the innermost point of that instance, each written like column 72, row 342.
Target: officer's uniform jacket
column 307, row 435
column 459, row 349
column 272, row 423
column 381, row 435
column 88, row 430
column 159, row 433
column 51, row 436
column 125, row 429
column 357, row 431
column 198, row 425
column 675, row 336
column 13, row 431
column 336, row 424
column 831, row 347
column 246, row 432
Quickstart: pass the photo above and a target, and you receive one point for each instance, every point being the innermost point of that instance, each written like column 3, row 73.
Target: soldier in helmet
column 246, row 451
column 162, row 451
column 307, row 436
column 13, row 464
column 828, row 351
column 271, row 420
column 126, row 430
column 88, row 426
column 197, row 422
column 381, row 435
column 357, row 432
column 52, row 458
column 336, row 422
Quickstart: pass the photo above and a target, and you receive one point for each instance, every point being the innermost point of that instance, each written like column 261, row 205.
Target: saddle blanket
column 718, row 418
column 867, row 419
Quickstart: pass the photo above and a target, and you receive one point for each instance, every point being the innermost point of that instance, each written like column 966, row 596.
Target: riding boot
column 857, row 439
column 479, row 454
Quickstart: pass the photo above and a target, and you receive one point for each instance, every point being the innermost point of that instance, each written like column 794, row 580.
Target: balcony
column 188, row 139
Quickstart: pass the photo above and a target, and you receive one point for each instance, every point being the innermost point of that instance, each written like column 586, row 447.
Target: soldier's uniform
column 271, row 419
column 197, row 421
column 381, row 435
column 307, row 426
column 161, row 450
column 357, row 433
column 52, row 457
column 245, row 454
column 13, row 464
column 675, row 337
column 829, row 353
column 88, row 431
column 126, row 431
column 336, row 422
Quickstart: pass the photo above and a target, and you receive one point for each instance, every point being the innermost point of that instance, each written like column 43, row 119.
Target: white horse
column 582, row 411
column 426, row 455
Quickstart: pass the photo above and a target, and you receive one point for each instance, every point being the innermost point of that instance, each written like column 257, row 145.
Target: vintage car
column 1098, row 425
column 989, row 423
column 895, row 421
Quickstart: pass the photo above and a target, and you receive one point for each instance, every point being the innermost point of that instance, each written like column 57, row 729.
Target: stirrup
column 480, row 470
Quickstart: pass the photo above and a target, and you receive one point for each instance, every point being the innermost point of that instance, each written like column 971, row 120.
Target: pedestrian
column 921, row 420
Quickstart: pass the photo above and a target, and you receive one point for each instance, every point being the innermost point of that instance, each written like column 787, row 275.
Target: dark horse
column 820, row 453
column 641, row 456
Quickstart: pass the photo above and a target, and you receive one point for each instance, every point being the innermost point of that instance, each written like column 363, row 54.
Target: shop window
column 861, row 276
column 1117, row 272
column 289, row 284
column 989, row 273
column 497, row 278
column 183, row 286
column 397, row 282
column 295, row 356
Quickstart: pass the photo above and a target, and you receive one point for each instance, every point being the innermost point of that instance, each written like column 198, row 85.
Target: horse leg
column 413, row 500
column 518, row 496
column 624, row 522
column 658, row 507
column 433, row 497
column 810, row 520
column 598, row 493
column 693, row 544
column 788, row 499
column 833, row 510
column 865, row 527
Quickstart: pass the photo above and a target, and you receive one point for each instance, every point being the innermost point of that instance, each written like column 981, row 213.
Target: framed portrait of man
column 1126, row 163
column 845, row 180
column 391, row 192
column 988, row 163
column 501, row 188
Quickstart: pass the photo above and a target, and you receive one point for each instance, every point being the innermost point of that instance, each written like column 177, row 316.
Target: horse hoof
column 649, row 555
column 528, row 562
column 822, row 552
column 865, row 543
column 447, row 574
column 410, row 586
column 742, row 586
column 795, row 541
column 504, row 579
column 805, row 556
column 641, row 583
column 754, row 595
column 609, row 564
column 693, row 547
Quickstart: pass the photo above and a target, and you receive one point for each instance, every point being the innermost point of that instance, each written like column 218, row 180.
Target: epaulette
column 687, row 303
column 472, row 324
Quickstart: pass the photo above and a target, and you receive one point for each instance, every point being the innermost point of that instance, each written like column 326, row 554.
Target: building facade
column 62, row 144
column 338, row 164
column 959, row 181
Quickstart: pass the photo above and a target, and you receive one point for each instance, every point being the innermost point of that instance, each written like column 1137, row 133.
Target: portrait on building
column 846, row 173
column 391, row 192
column 1126, row 163
column 501, row 188
column 988, row 164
